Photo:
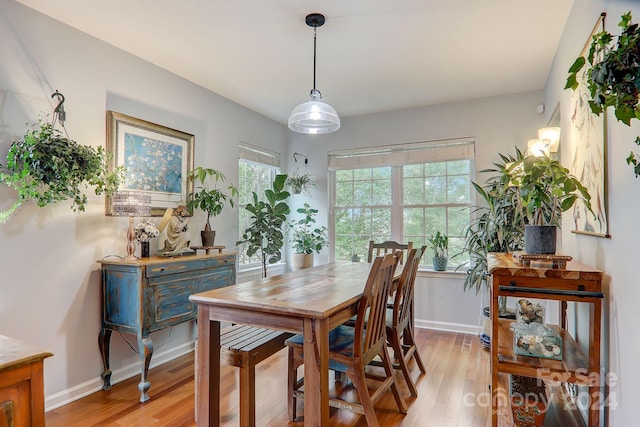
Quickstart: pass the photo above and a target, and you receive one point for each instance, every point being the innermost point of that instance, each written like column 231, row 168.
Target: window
column 257, row 168
column 404, row 193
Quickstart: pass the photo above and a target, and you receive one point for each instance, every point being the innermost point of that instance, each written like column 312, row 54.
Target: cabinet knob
column 512, row 283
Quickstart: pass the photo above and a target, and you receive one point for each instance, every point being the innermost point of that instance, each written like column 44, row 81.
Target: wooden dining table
column 310, row 302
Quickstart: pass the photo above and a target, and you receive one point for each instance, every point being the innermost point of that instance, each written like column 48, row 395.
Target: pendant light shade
column 314, row 116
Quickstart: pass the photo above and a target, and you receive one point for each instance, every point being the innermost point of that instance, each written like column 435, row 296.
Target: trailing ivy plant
column 613, row 76
column 264, row 235
column 48, row 167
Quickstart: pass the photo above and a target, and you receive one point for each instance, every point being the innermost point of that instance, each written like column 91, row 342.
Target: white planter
column 300, row 261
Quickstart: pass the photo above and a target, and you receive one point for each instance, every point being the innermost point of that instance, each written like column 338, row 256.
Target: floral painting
column 157, row 160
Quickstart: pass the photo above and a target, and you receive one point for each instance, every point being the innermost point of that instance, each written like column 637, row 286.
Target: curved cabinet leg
column 145, row 345
column 104, row 341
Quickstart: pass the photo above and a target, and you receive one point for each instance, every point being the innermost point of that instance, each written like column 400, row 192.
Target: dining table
column 310, row 301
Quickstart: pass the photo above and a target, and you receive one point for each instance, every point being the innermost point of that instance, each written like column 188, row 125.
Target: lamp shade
column 314, row 116
column 552, row 134
column 132, row 203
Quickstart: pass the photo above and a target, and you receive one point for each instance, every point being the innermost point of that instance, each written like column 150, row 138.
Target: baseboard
column 448, row 327
column 79, row 391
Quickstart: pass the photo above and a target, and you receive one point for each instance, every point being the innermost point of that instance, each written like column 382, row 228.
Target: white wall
column 498, row 124
column 616, row 256
column 49, row 278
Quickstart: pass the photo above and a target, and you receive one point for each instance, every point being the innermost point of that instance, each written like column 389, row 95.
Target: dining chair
column 389, row 246
column 399, row 322
column 351, row 349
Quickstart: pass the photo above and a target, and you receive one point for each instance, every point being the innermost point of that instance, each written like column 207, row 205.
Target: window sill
column 448, row 274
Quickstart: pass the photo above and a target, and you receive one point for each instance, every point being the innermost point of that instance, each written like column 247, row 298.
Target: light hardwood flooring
column 454, row 392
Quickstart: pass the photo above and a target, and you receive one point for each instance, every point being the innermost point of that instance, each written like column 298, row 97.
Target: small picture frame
column 157, row 159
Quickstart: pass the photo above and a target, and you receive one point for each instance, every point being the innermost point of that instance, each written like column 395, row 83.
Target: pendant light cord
column 315, row 30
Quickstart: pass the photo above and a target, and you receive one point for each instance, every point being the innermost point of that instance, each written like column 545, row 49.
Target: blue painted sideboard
column 143, row 296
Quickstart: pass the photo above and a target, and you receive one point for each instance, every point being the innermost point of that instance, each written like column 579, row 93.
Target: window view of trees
column 252, row 177
column 402, row 203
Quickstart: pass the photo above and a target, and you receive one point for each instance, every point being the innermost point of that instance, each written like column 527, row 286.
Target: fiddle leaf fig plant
column 264, row 234
column 47, row 167
column 613, row 76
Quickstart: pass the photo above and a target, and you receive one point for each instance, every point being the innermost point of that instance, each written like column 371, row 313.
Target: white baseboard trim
column 67, row 396
column 448, row 327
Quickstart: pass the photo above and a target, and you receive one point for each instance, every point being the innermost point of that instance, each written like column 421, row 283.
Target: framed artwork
column 157, row 159
column 588, row 135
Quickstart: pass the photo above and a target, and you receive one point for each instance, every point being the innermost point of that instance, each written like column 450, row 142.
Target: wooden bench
column 244, row 347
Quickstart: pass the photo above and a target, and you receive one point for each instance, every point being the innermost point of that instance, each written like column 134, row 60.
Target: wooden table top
column 316, row 292
column 504, row 264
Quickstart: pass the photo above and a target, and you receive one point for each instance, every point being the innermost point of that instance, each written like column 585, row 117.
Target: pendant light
column 314, row 116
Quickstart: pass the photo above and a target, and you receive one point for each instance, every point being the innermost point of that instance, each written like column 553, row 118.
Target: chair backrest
column 404, row 292
column 370, row 329
column 390, row 246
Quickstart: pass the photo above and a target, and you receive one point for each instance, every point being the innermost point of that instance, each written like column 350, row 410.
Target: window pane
column 362, row 193
column 413, row 222
column 344, row 193
column 414, row 191
column 435, row 190
column 459, row 167
column 458, row 189
column 413, row 170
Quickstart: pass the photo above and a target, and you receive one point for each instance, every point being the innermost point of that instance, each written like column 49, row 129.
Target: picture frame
column 158, row 160
column 588, row 164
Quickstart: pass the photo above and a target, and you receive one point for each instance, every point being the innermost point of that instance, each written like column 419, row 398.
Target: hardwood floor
column 454, row 392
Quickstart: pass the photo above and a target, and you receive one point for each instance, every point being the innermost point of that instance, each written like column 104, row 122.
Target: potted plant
column 544, row 189
column 47, row 167
column 306, row 238
column 209, row 198
column 496, row 227
column 612, row 76
column 300, row 182
column 264, row 234
column 439, row 244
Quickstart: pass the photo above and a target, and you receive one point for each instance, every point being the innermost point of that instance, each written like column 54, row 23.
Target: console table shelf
column 577, row 282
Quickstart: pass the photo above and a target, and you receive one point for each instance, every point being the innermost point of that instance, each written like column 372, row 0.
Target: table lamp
column 132, row 203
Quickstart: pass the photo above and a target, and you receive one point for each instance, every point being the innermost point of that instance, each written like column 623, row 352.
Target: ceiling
column 372, row 55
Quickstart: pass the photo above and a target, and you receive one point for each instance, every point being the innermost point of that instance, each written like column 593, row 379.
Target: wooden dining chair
column 390, row 246
column 351, row 349
column 399, row 324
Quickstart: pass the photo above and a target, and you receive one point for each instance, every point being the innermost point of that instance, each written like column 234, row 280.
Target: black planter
column 540, row 239
column 208, row 237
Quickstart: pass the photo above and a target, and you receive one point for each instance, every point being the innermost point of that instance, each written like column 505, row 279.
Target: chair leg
column 416, row 354
column 292, row 381
column 360, row 384
column 396, row 345
column 248, row 396
column 388, row 368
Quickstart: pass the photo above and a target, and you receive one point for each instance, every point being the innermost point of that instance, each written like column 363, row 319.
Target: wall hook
column 295, row 159
column 58, row 111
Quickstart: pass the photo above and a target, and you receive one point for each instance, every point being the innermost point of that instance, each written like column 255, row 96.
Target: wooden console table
column 146, row 295
column 21, row 383
column 577, row 282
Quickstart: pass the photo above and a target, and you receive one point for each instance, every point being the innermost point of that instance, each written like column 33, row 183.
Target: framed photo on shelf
column 157, row 159
column 588, row 163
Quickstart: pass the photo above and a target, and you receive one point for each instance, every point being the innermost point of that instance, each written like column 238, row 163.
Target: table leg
column 207, row 370
column 145, row 347
column 104, row 341
column 316, row 372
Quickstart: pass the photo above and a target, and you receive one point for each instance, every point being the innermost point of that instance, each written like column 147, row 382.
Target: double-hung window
column 257, row 168
column 404, row 192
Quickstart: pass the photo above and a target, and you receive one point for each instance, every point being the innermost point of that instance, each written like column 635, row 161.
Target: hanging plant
column 47, row 167
column 300, row 182
column 613, row 76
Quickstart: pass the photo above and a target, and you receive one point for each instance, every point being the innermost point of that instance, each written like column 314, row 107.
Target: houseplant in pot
column 544, row 189
column 209, row 197
column 300, row 182
column 47, row 167
column 439, row 244
column 306, row 238
column 496, row 226
column 264, row 234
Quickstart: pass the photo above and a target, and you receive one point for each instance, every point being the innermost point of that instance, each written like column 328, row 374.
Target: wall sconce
column 538, row 147
column 551, row 134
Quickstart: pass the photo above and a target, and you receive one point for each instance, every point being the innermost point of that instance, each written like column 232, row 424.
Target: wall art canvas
column 588, row 135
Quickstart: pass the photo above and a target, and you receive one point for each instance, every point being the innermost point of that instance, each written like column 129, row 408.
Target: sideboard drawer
column 175, row 266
